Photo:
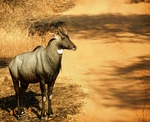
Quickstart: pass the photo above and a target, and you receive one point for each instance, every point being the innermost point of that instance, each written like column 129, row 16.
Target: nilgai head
column 63, row 40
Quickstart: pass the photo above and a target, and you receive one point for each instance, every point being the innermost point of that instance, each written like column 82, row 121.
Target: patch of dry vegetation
column 16, row 18
column 67, row 101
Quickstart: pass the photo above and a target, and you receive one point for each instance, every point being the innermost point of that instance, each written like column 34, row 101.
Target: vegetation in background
column 16, row 18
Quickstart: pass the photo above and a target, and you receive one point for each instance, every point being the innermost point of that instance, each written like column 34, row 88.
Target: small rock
column 6, row 78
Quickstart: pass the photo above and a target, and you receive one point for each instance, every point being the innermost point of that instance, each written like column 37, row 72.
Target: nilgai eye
column 63, row 38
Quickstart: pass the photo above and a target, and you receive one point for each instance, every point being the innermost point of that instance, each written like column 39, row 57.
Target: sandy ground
column 112, row 62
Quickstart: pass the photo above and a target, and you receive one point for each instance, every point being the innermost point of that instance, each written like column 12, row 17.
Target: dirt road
column 112, row 62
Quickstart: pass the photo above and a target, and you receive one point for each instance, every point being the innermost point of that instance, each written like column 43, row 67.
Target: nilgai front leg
column 50, row 111
column 43, row 91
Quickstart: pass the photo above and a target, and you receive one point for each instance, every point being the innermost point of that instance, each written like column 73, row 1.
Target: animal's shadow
column 9, row 103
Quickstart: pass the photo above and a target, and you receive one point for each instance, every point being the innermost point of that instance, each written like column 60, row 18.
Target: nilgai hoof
column 19, row 117
column 22, row 113
column 44, row 118
column 50, row 116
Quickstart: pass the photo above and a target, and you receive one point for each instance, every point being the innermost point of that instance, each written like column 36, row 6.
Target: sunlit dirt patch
column 67, row 101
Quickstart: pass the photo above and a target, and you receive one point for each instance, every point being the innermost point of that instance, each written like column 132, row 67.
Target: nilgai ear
column 65, row 30
column 62, row 30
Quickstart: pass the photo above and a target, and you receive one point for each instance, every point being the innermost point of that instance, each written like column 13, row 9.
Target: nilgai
column 40, row 65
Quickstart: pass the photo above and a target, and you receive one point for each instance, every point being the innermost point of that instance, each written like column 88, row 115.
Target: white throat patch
column 60, row 51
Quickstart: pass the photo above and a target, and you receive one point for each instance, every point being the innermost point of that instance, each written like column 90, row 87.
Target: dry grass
column 15, row 42
column 17, row 16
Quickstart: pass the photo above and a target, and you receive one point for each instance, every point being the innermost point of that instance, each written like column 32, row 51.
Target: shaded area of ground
column 134, row 96
column 116, row 26
column 128, row 84
column 124, row 87
column 137, row 1
column 124, row 28
column 67, row 101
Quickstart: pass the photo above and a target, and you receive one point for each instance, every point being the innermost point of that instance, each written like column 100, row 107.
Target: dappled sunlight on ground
column 121, row 28
column 122, row 88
